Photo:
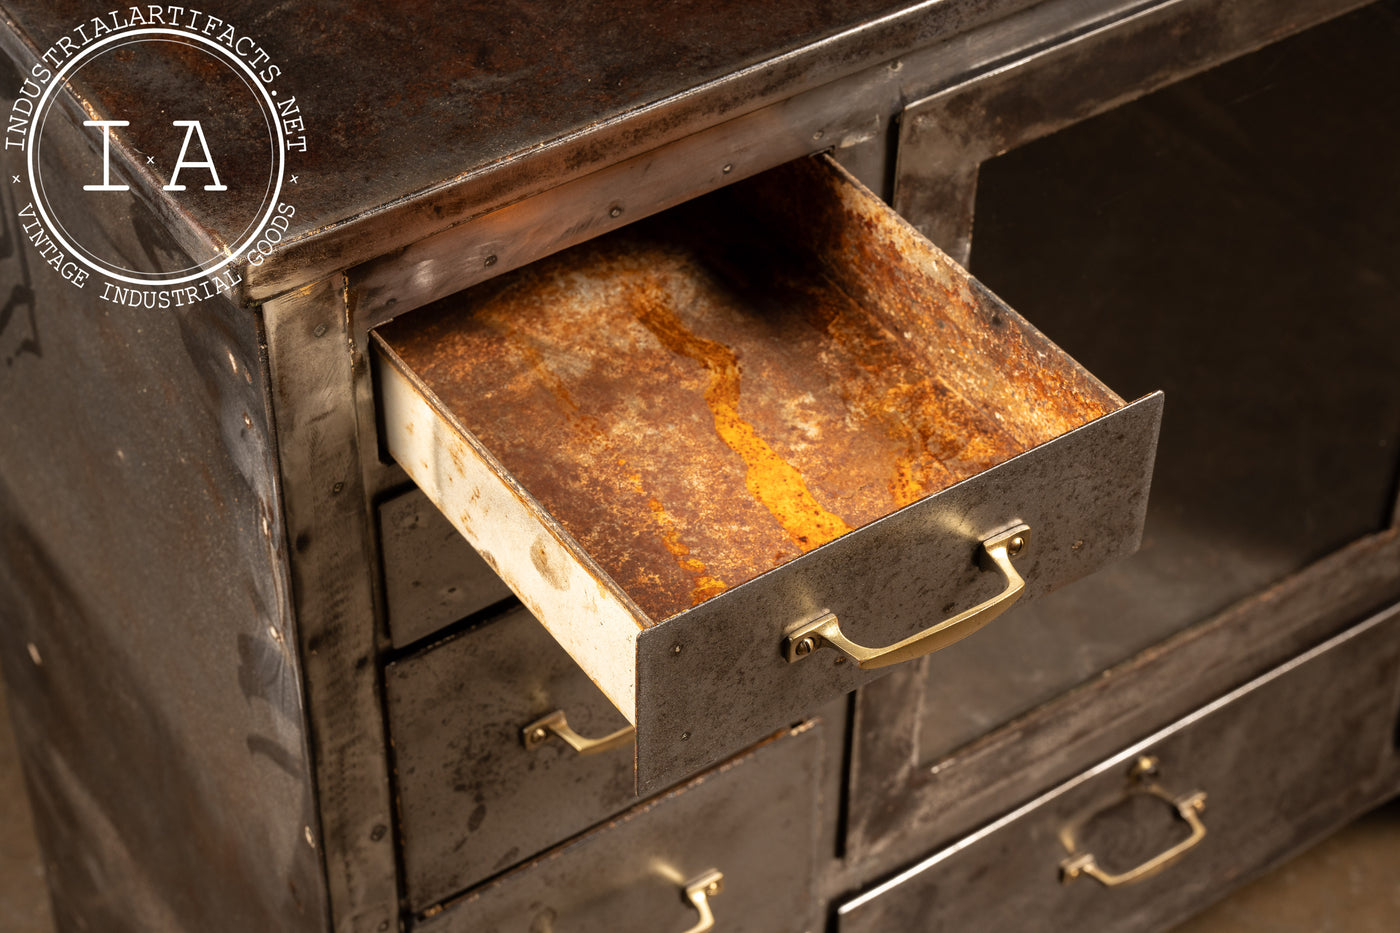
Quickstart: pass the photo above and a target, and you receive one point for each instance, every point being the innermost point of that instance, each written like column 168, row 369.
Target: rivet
column 320, row 330
column 337, row 488
column 615, row 212
column 685, row 736
column 539, row 734
column 491, row 260
column 1144, row 767
column 1014, row 546
column 712, row 888
column 805, row 647
column 676, row 649
column 819, row 134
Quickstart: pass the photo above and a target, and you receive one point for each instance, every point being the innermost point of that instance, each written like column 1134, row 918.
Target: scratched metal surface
column 473, row 800
column 1283, row 760
column 405, row 101
column 711, row 393
column 432, row 577
column 751, row 818
column 145, row 629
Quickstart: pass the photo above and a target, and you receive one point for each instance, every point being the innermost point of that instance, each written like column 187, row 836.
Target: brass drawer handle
column 826, row 630
column 698, row 892
column 1189, row 807
column 539, row 731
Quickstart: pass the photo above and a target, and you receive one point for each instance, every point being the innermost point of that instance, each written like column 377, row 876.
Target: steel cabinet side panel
column 751, row 818
column 147, row 639
column 1282, row 760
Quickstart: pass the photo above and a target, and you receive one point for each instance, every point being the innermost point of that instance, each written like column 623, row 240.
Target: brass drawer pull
column 698, row 892
column 539, row 731
column 1189, row 807
column 826, row 630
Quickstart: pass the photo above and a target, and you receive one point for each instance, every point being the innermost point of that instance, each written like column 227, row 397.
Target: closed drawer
column 1155, row 833
column 432, row 577
column 685, row 444
column 474, row 798
column 750, row 820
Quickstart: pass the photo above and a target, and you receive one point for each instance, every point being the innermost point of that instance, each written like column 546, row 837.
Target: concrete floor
column 1349, row 883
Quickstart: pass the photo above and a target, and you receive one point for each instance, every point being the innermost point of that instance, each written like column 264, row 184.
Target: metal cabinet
column 771, row 422
column 1145, row 836
column 734, row 845
column 229, row 605
column 476, row 794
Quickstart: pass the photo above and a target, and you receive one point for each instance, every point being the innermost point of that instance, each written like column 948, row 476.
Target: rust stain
column 770, row 479
column 698, row 401
column 554, row 576
column 706, row 586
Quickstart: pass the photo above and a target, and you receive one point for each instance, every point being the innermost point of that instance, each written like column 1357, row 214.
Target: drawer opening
column 700, row 398
column 633, row 429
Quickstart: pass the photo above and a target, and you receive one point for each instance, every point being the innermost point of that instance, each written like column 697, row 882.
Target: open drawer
column 719, row 450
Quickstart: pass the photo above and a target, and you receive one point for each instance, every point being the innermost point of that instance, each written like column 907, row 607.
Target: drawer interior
column 707, row 394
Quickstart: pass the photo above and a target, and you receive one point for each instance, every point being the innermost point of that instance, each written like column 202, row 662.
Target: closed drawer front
column 689, row 442
column 1153, row 834
column 474, row 797
column 749, row 820
column 432, row 577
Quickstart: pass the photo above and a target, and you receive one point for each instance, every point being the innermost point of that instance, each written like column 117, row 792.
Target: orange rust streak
column 705, row 585
column 776, row 484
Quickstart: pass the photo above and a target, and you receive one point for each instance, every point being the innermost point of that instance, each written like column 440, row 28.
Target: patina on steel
column 631, row 873
column 714, row 392
column 1332, row 756
column 672, row 413
column 392, row 173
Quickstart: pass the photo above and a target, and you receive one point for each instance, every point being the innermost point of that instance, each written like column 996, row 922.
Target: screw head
column 712, row 888
column 320, row 330
column 676, row 649
column 728, row 167
column 1015, row 545
column 615, row 212
column 685, row 736
column 1144, row 767
column 805, row 647
column 539, row 734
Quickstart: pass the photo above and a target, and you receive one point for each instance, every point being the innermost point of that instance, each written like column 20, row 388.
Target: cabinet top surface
column 440, row 110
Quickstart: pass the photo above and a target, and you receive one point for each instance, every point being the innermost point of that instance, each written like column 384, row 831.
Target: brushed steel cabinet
column 745, row 825
column 1146, row 836
column 232, row 603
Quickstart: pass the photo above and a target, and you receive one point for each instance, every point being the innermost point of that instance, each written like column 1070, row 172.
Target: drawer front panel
column 473, row 799
column 432, row 576
column 750, row 819
column 1277, row 762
